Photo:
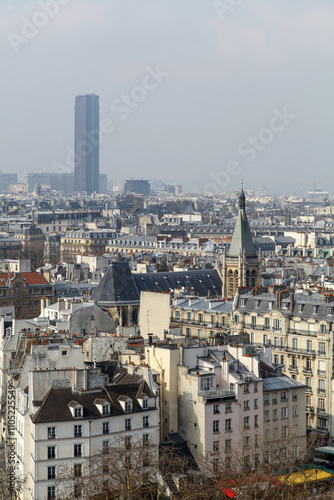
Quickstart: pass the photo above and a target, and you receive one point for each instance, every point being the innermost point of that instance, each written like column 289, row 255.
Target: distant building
column 6, row 180
column 86, row 169
column 103, row 188
column 137, row 186
column 57, row 182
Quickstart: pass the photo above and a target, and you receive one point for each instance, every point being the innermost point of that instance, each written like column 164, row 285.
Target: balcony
column 308, row 389
column 308, row 370
column 321, row 392
column 322, row 353
column 217, row 394
column 321, row 373
column 297, row 350
column 323, row 430
column 293, row 368
column 322, row 412
column 310, row 409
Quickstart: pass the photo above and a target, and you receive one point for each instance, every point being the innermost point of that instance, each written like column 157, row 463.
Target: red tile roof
column 30, row 278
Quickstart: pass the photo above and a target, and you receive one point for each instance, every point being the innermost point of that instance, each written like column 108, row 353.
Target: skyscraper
column 86, row 143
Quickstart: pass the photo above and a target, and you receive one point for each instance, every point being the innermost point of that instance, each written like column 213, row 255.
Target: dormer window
column 128, row 406
column 77, row 412
column 106, row 409
column 284, row 305
column 103, row 406
column 76, row 409
column 257, row 303
column 145, row 404
column 300, row 308
column 329, row 311
column 126, row 403
column 243, row 302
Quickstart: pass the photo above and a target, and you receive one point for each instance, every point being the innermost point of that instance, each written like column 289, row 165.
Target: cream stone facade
column 299, row 328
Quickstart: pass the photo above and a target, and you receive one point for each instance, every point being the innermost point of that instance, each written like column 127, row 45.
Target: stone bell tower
column 240, row 264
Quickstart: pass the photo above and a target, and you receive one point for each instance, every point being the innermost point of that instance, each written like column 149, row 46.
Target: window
column 228, row 445
column 329, row 311
column 77, row 490
column 128, row 424
column 52, row 472
column 246, row 422
column 294, row 395
column 294, row 344
column 277, row 325
column 253, row 318
column 63, row 353
column 105, row 446
column 215, row 426
column 300, row 308
column 77, row 412
column 246, row 388
column 51, row 492
column 309, row 345
column 215, row 465
column 256, row 421
column 266, row 415
column 294, row 431
column 265, row 339
column 77, row 431
column 275, row 414
column 51, row 452
column 266, row 435
column 322, row 348
column 284, row 432
column 284, row 396
column 246, row 405
column 276, row 341
column 255, row 386
column 228, row 424
column 243, row 302
column 216, row 409
column 78, row 450
column 284, row 412
column 145, row 404
column 77, row 471
column 51, row 433
column 206, row 383
column 146, row 422
column 128, row 406
column 246, row 441
column 257, row 303
column 274, row 398
column 322, row 328
column 295, row 451
column 266, row 399
column 294, row 410
column 106, row 409
column 228, row 407
column 215, row 446
column 270, row 304
column 256, row 404
column 105, row 427
column 146, row 438
column 266, row 323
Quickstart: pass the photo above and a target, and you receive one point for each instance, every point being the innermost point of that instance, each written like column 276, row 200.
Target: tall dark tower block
column 86, row 143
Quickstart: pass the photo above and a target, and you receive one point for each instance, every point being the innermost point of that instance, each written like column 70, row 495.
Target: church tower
column 240, row 264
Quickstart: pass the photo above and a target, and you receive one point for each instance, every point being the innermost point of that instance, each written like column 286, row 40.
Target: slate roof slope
column 119, row 286
column 200, row 282
column 242, row 239
column 55, row 404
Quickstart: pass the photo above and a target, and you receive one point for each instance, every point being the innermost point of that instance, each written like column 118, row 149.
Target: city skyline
column 219, row 79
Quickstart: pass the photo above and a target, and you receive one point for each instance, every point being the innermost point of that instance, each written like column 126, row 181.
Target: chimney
column 278, row 300
column 292, row 301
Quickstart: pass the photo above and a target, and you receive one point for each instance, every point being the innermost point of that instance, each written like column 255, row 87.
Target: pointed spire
column 242, row 239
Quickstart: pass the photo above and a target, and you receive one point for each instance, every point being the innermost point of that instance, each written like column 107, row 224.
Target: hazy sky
column 191, row 91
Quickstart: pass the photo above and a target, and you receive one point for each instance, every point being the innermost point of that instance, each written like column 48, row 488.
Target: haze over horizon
column 191, row 92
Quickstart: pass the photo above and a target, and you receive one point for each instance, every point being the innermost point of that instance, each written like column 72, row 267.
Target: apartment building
column 203, row 317
column 67, row 417
column 299, row 328
column 217, row 399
